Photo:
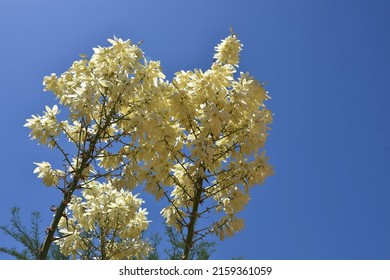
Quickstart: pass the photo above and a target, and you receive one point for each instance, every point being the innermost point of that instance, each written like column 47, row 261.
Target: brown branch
column 194, row 215
column 70, row 190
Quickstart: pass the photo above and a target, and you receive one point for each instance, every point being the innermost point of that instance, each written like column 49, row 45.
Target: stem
column 60, row 210
column 103, row 244
column 70, row 190
column 194, row 216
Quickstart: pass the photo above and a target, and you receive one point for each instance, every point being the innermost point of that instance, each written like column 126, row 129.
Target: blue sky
column 327, row 68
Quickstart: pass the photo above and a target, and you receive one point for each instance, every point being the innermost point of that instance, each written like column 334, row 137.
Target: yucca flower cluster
column 196, row 141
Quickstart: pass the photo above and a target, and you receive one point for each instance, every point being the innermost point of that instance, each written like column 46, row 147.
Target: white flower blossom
column 228, row 51
column 45, row 128
column 108, row 219
column 196, row 141
column 49, row 176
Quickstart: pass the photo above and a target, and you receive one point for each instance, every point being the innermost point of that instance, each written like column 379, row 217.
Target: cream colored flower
column 45, row 128
column 105, row 218
column 49, row 176
column 199, row 138
column 228, row 51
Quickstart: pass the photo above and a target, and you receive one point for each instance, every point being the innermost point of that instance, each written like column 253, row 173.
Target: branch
column 194, row 215
column 70, row 190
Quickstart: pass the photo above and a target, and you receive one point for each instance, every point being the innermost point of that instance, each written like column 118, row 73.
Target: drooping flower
column 49, row 176
column 104, row 218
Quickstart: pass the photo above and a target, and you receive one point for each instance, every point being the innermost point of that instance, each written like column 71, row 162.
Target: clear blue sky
column 327, row 64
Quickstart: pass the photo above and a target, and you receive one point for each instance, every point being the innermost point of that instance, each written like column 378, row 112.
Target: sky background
column 327, row 64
